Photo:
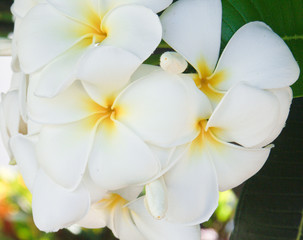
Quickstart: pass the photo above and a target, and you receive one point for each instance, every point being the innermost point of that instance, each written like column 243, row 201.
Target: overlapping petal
column 24, row 151
column 119, row 158
column 193, row 29
column 71, row 105
column 54, row 78
column 155, row 5
column 55, row 207
column 105, row 71
column 259, row 56
column 139, row 33
column 45, row 34
column 246, row 115
column 66, row 145
column 235, row 164
column 160, row 229
column 84, row 11
column 159, row 117
column 192, row 187
column 284, row 95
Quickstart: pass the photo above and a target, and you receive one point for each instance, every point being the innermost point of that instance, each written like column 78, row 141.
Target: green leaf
column 285, row 17
column 271, row 203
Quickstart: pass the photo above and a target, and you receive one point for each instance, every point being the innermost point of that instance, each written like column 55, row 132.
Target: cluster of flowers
column 102, row 139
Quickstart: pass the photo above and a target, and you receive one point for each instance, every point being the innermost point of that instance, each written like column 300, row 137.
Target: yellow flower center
column 205, row 137
column 207, row 82
column 111, row 201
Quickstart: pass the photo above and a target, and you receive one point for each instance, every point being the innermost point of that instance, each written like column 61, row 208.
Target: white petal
column 155, row 5
column 93, row 219
column 160, row 229
column 193, row 29
column 10, row 108
column 107, row 70
column 61, row 72
column 192, row 187
column 24, row 151
column 129, row 193
column 123, row 225
column 158, row 108
column 62, row 147
column 134, row 28
column 284, row 95
column 55, row 207
column 119, row 158
column 22, row 90
column 259, row 56
column 21, row 7
column 45, row 34
column 246, row 115
column 235, row 164
column 81, row 10
column 143, row 71
column 71, row 105
column 96, row 192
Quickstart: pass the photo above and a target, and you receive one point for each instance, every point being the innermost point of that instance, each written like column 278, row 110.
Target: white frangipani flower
column 130, row 220
column 54, row 207
column 66, row 29
column 227, row 151
column 255, row 54
column 248, row 89
column 105, row 123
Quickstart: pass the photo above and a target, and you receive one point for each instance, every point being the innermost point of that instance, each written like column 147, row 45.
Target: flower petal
column 93, row 219
column 107, row 70
column 96, row 193
column 235, row 164
column 246, row 115
column 259, row 56
column 123, row 225
column 61, row 72
column 193, row 29
column 129, row 193
column 45, row 34
column 24, row 151
column 155, row 5
column 134, row 28
column 284, row 95
column 119, row 158
column 21, row 7
column 55, row 207
column 71, row 105
column 160, row 229
column 84, row 11
column 62, row 147
column 159, row 109
column 192, row 187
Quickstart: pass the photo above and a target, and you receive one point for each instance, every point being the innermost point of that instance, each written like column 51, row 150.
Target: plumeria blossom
column 255, row 54
column 231, row 145
column 54, row 207
column 105, row 123
column 67, row 29
column 130, row 220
